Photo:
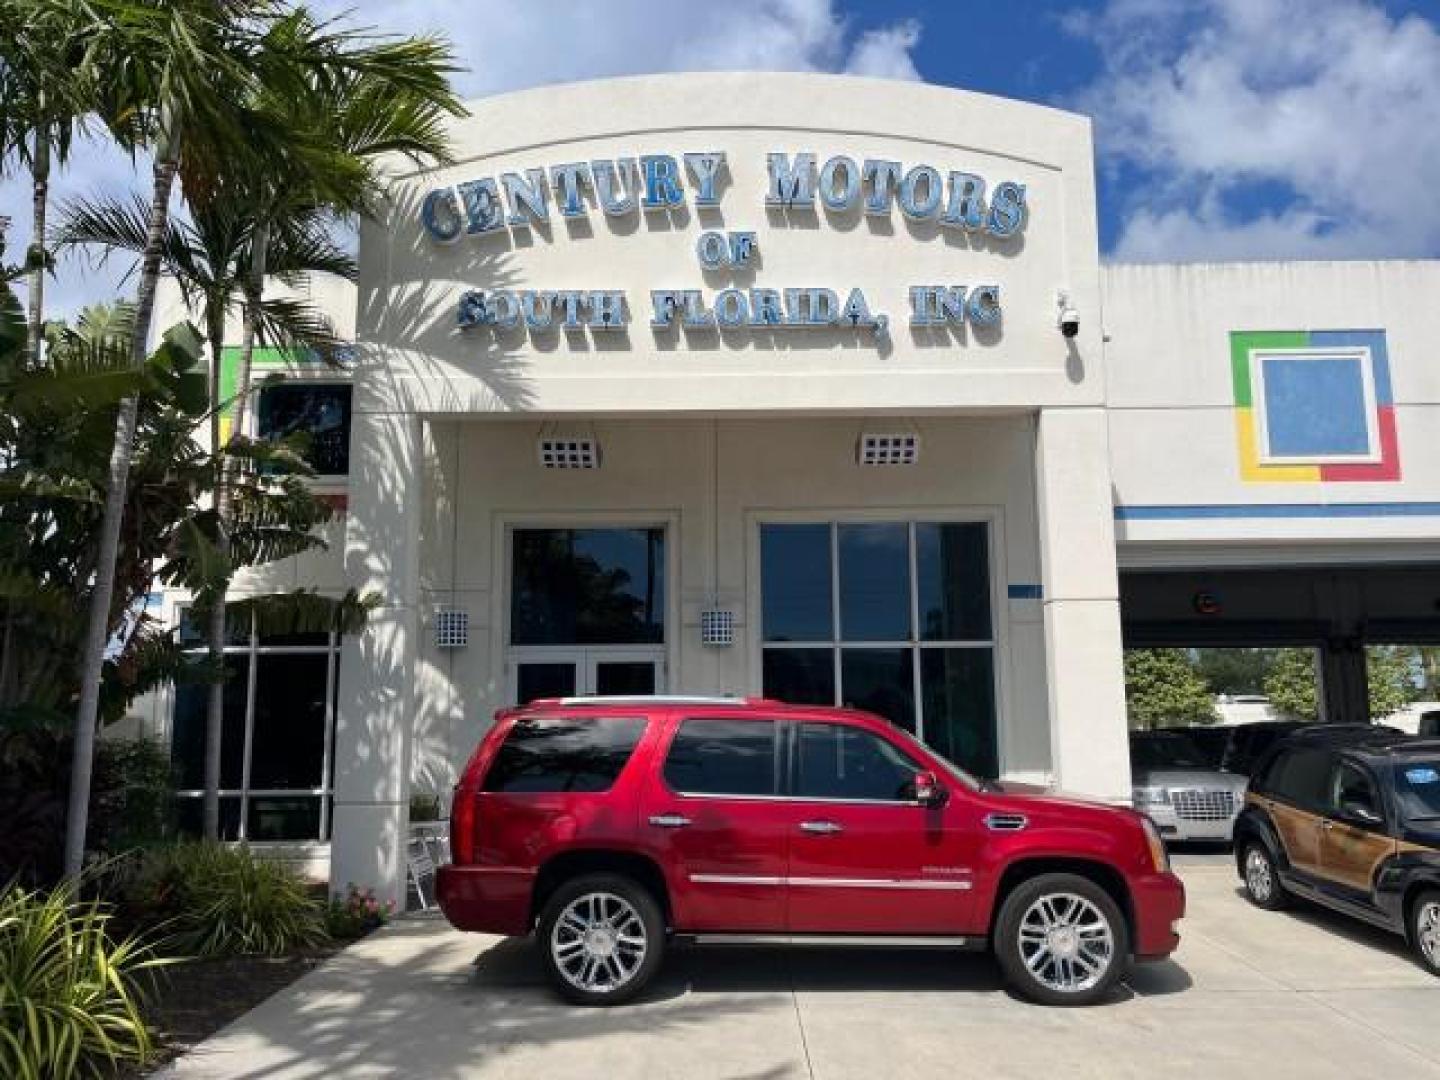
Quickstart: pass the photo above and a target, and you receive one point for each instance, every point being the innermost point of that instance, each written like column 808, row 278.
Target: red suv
column 607, row 825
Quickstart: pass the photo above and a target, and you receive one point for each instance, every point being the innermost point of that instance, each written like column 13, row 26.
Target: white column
column 1089, row 746
column 377, row 667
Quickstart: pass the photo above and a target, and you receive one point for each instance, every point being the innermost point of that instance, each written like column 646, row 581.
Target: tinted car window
column 837, row 762
column 1300, row 776
column 1351, row 784
column 1162, row 750
column 723, row 757
column 571, row 754
column 1417, row 789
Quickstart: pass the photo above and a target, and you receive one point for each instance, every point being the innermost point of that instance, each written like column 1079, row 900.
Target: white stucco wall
column 711, row 482
column 1171, row 405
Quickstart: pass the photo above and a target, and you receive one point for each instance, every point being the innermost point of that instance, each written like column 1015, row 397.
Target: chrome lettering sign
column 796, row 184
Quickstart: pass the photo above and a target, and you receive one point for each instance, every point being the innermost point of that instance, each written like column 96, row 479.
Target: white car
column 1181, row 788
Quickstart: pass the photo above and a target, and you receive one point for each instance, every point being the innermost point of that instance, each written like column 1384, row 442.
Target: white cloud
column 514, row 44
column 885, row 53
column 1331, row 102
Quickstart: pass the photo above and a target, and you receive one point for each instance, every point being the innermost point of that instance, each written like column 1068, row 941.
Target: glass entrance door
column 547, row 673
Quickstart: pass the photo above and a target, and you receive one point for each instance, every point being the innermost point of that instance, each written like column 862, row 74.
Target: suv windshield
column 1417, row 789
column 1167, row 751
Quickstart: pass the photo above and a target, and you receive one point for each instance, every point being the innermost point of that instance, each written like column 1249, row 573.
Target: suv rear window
column 569, row 754
column 723, row 757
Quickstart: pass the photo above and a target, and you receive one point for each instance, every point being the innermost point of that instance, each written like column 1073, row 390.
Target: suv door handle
column 1327, row 824
column 669, row 821
column 821, row 827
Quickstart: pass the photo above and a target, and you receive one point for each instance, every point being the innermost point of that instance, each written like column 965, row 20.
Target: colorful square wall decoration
column 1314, row 406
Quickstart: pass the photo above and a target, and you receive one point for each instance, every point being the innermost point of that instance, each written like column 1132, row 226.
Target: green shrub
column 69, row 1003
column 357, row 913
column 223, row 900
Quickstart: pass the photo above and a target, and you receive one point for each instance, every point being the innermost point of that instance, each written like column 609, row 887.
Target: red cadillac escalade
column 608, row 825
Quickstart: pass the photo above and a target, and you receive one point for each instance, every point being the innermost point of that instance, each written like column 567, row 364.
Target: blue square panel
column 1315, row 406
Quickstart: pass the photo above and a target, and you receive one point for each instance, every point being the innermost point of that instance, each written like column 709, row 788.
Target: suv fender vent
column 1006, row 822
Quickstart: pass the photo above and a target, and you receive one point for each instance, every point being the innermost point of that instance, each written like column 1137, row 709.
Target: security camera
column 1069, row 318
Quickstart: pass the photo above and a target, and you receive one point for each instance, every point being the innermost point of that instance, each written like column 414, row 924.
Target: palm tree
column 198, row 74
column 363, row 99
column 45, row 92
column 208, row 256
column 174, row 71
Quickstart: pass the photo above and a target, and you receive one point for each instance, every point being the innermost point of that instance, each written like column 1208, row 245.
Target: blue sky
column 1225, row 129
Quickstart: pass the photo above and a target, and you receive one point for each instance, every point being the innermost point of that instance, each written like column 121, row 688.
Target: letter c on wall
column 442, row 225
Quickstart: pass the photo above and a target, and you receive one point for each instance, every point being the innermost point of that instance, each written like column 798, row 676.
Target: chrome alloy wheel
column 1258, row 878
column 598, row 942
column 1427, row 927
column 1066, row 942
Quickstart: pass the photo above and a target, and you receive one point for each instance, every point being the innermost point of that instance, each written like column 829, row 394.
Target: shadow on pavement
column 699, row 970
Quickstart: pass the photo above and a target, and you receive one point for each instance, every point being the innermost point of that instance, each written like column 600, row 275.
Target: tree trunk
column 40, row 179
column 254, row 293
column 215, row 709
column 98, row 631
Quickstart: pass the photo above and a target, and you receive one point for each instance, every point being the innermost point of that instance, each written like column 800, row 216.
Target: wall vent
column 896, row 448
column 560, row 453
column 452, row 628
column 717, row 627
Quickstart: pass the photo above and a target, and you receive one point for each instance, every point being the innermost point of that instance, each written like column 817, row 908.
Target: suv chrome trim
column 921, row 884
column 1006, row 822
column 891, row 941
column 655, row 699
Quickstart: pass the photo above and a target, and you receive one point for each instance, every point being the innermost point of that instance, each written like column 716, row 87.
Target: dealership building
column 814, row 388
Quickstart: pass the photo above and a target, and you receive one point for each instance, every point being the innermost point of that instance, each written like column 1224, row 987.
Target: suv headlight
column 1152, row 796
column 1158, row 853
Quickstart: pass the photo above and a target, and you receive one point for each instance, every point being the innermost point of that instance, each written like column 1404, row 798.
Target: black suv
column 1349, row 819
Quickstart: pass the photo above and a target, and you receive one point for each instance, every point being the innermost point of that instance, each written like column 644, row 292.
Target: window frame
column 1319, row 807
column 504, row 655
column 778, row 766
column 792, row 765
column 575, row 718
column 290, row 378
column 253, row 651
column 1363, row 358
column 998, row 642
column 1377, row 790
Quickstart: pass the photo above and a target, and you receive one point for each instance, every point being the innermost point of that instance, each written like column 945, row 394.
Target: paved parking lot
column 1299, row 994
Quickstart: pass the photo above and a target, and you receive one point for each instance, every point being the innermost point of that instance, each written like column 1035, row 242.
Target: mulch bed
column 192, row 1001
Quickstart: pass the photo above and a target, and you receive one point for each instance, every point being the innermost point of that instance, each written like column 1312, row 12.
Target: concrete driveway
column 1250, row 993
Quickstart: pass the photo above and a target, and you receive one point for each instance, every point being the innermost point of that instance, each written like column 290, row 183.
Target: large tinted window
column 723, row 757
column 1417, row 789
column 572, row 754
column 837, row 762
column 1300, row 776
column 588, row 587
column 321, row 411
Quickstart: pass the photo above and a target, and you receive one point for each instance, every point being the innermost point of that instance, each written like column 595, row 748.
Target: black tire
column 1260, row 872
column 1423, row 930
column 609, row 897
column 1022, row 910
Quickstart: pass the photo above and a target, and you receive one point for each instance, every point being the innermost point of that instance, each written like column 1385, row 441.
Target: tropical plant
column 70, row 1000
column 56, row 424
column 355, row 100
column 1163, row 689
column 196, row 77
column 223, row 900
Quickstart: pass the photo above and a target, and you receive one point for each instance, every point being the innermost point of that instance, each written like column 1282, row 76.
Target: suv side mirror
column 928, row 790
column 1360, row 810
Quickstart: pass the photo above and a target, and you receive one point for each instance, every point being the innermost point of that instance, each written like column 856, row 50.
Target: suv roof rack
column 651, row 699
